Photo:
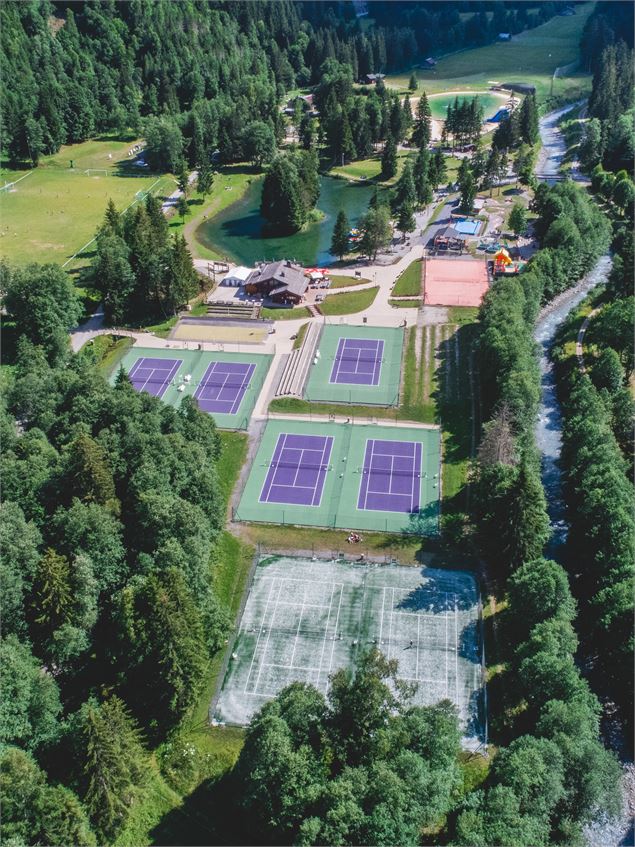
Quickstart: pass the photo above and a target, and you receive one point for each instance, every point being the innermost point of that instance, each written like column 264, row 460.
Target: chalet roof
column 289, row 277
column 374, row 77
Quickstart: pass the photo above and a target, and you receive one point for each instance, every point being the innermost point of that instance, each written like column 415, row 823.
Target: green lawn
column 409, row 283
column 370, row 169
column 109, row 352
column 285, row 314
column 349, row 302
column 297, row 341
column 338, row 281
column 531, row 57
column 54, row 212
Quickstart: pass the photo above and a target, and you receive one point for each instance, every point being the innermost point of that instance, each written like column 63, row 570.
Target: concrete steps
column 298, row 364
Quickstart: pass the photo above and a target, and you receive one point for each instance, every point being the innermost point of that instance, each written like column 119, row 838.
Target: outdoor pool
column 467, row 227
column 237, row 232
column 490, row 102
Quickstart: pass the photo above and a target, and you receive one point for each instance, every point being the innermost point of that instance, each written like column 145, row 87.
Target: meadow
column 52, row 211
column 530, row 57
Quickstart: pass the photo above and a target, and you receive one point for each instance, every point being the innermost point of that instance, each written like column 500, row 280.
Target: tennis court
column 225, row 385
column 454, row 282
column 357, row 364
column 304, row 619
column 153, row 375
column 353, row 476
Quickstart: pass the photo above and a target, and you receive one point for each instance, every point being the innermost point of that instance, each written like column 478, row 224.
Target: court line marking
column 337, row 620
column 264, row 653
column 326, row 629
column 253, row 658
column 295, row 640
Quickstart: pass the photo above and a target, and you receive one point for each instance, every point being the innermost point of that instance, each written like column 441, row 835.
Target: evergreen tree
column 53, row 598
column 389, row 159
column 181, row 279
column 112, row 220
column 113, row 277
column 182, row 207
column 165, row 633
column 406, row 115
column 527, row 522
column 422, row 131
column 468, row 193
column 183, row 179
column 413, row 84
column 405, row 219
column 439, row 173
column 87, row 474
column 528, row 124
column 112, row 761
column 259, row 143
column 281, row 205
column 340, row 240
column 405, row 193
column 421, row 176
column 205, row 180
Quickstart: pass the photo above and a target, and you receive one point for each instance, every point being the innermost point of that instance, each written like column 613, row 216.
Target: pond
column 237, row 232
column 491, row 103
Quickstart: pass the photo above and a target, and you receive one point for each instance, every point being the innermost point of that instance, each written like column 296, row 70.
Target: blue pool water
column 467, row 227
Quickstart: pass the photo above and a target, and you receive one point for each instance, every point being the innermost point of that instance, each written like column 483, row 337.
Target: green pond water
column 490, row 103
column 237, row 231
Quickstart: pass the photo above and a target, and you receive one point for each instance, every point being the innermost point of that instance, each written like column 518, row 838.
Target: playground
column 454, row 281
column 306, row 619
column 351, row 476
column 226, row 385
column 357, row 364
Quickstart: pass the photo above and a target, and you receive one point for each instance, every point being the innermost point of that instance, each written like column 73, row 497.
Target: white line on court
column 326, row 631
column 297, row 633
column 264, row 652
column 337, row 620
column 264, row 615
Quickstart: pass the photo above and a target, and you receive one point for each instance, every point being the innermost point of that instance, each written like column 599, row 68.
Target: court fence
column 422, row 523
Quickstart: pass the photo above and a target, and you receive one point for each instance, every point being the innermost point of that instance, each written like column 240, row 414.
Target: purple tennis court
column 298, row 469
column 153, row 375
column 357, row 361
column 391, row 476
column 223, row 386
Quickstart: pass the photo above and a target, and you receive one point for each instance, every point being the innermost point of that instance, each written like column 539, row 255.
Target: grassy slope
column 54, row 211
column 530, row 57
column 409, row 283
column 349, row 302
column 215, row 749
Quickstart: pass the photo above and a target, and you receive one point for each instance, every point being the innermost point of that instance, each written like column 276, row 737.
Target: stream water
column 603, row 832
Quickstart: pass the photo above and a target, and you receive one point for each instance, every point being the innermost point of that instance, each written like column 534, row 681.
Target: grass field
column 370, row 169
column 285, row 314
column 338, row 281
column 409, row 283
column 531, row 57
column 404, row 304
column 349, row 302
column 54, row 211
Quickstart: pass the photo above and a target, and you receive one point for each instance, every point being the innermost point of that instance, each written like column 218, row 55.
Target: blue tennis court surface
column 297, row 470
column 153, row 375
column 223, row 386
column 357, row 361
column 467, row 227
column 391, row 476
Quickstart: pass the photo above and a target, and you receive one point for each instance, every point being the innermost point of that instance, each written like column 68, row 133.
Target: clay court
column 221, row 331
column 454, row 282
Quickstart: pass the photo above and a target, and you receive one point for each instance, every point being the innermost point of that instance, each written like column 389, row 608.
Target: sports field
column 357, row 364
column 345, row 475
column 305, row 619
column 530, row 57
column 52, row 211
column 454, row 282
column 226, row 385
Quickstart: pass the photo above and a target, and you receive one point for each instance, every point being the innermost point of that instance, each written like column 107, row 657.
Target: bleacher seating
column 298, row 364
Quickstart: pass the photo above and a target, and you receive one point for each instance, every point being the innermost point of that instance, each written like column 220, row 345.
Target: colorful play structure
column 504, row 264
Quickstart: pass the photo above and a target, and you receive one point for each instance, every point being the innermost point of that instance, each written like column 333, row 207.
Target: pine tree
column 422, row 128
column 112, row 219
column 527, row 525
column 182, row 207
column 183, row 179
column 467, row 186
column 405, row 219
column 113, row 763
column 87, row 474
column 440, row 170
column 528, row 123
column 205, row 179
column 52, row 591
column 406, row 113
column 389, row 159
column 181, row 277
column 421, row 176
column 340, row 240
column 414, row 82
column 405, row 193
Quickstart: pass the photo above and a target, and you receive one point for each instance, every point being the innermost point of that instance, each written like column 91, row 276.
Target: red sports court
column 454, row 282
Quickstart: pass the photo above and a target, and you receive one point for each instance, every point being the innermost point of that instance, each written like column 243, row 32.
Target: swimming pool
column 467, row 227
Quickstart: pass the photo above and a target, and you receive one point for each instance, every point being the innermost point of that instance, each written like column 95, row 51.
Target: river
column 602, row 832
